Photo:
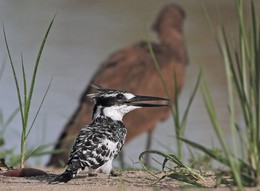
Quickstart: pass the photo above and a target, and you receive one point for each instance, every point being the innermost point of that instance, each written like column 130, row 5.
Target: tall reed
column 242, row 65
column 25, row 96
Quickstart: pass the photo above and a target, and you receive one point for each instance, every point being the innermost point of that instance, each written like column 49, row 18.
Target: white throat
column 117, row 112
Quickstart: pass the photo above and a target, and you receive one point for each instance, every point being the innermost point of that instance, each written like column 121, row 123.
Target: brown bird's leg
column 121, row 160
column 148, row 146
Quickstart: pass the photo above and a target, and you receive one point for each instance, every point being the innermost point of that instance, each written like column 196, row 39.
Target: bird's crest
column 99, row 89
column 100, row 92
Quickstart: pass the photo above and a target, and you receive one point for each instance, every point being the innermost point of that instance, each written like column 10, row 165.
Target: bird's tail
column 63, row 178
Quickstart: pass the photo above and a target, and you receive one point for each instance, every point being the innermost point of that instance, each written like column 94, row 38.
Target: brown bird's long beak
column 139, row 101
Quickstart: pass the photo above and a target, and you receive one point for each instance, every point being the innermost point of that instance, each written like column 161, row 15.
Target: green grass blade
column 15, row 77
column 27, row 98
column 170, row 157
column 191, row 98
column 180, row 123
column 211, row 111
column 242, row 28
column 49, row 152
column 257, row 115
column 28, row 101
column 24, row 83
column 223, row 159
column 240, row 88
column 184, row 178
column 9, row 120
column 37, row 64
column 175, row 109
column 228, row 62
column 243, row 80
column 41, row 151
column 157, row 66
column 176, row 117
column 39, row 108
column 242, row 141
column 211, row 152
column 256, row 61
column 212, row 114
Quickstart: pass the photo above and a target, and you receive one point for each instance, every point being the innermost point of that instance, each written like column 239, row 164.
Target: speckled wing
column 94, row 146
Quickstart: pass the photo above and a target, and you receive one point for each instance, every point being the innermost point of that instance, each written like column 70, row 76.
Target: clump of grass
column 241, row 58
column 243, row 81
column 201, row 161
column 25, row 97
column 181, row 171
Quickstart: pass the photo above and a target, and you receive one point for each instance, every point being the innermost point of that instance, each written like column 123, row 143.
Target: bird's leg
column 148, row 146
column 121, row 160
column 114, row 174
column 91, row 172
column 108, row 169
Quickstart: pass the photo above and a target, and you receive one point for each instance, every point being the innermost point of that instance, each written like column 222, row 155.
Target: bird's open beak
column 139, row 101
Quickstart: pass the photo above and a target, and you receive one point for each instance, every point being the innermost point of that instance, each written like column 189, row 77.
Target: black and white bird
column 99, row 143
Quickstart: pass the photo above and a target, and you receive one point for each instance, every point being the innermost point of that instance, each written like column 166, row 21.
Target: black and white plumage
column 99, row 143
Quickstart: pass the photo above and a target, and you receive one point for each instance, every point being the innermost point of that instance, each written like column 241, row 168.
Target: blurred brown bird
column 132, row 69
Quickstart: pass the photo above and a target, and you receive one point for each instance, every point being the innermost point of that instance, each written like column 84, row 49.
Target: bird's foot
column 115, row 174
column 92, row 174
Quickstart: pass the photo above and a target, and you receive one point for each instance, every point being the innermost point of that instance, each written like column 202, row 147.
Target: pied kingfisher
column 98, row 143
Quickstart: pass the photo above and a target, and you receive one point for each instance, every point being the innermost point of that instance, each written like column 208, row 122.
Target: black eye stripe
column 106, row 101
column 110, row 101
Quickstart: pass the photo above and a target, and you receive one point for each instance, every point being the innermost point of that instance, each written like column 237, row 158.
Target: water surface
column 84, row 34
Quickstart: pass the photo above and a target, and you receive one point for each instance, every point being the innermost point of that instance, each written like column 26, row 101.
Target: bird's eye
column 120, row 96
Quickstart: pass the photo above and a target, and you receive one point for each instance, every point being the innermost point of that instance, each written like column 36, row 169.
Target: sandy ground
column 129, row 181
